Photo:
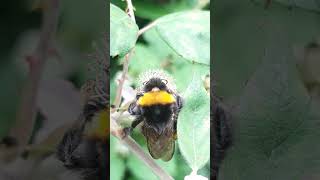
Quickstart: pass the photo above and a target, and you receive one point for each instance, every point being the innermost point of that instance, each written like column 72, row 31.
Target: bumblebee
column 83, row 148
column 157, row 106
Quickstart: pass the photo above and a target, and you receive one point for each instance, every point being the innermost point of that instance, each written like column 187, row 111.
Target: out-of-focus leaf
column 143, row 59
column 276, row 128
column 11, row 80
column 157, row 45
column 313, row 5
column 205, row 171
column 194, row 125
column 123, row 32
column 117, row 166
column 170, row 61
column 182, row 167
column 188, row 34
column 141, row 171
column 76, row 28
column 51, row 168
column 239, row 38
column 18, row 168
column 193, row 176
column 59, row 102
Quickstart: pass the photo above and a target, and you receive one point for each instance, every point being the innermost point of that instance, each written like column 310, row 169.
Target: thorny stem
column 128, row 141
column 136, row 149
column 122, row 80
column 130, row 10
column 146, row 158
column 28, row 107
column 117, row 101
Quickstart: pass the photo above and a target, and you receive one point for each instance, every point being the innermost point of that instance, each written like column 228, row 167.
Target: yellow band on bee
column 156, row 98
column 99, row 126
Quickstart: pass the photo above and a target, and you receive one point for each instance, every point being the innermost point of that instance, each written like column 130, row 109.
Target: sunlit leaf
column 194, row 125
column 170, row 61
column 143, row 55
column 59, row 101
column 123, row 32
column 188, row 34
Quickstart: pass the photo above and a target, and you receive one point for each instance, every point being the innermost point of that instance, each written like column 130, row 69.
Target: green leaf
column 194, row 125
column 182, row 168
column 141, row 171
column 123, row 32
column 143, row 55
column 157, row 45
column 169, row 60
column 188, row 34
column 79, row 29
column 117, row 169
column 313, row 5
column 276, row 130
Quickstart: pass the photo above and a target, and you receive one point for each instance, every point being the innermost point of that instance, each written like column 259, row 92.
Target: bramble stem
column 147, row 27
column 138, row 151
column 27, row 111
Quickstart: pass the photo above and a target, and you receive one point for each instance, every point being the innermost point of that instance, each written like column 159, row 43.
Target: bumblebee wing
column 169, row 153
column 160, row 145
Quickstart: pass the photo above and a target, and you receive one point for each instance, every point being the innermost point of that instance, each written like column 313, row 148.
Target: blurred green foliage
column 274, row 118
column 80, row 25
column 123, row 34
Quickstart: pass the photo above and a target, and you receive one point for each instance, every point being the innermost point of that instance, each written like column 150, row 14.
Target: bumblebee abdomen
column 157, row 116
column 159, row 131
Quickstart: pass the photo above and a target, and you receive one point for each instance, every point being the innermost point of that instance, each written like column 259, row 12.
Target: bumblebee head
column 156, row 88
column 156, row 79
column 155, row 84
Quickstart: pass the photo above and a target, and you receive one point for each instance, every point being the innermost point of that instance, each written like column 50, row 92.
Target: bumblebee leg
column 67, row 146
column 177, row 107
column 179, row 102
column 127, row 131
column 134, row 109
